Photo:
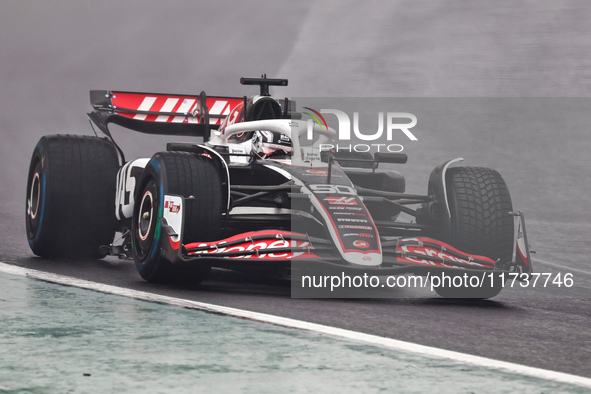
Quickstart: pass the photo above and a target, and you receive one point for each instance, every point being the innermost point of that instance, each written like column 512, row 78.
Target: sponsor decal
column 172, row 207
column 347, row 208
column 347, row 226
column 361, row 244
column 438, row 253
column 363, row 235
column 349, row 213
column 232, row 118
column 352, row 220
column 341, row 200
column 311, row 156
column 265, row 246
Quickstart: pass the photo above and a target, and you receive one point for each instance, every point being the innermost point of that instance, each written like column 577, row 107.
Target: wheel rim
column 34, row 193
column 34, row 201
column 146, row 220
column 145, row 215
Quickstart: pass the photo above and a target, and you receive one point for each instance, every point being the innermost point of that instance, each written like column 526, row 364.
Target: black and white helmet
column 270, row 144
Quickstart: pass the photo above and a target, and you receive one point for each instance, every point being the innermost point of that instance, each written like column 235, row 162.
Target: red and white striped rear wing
column 156, row 113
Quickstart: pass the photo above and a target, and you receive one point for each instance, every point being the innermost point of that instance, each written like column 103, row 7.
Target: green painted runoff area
column 58, row 339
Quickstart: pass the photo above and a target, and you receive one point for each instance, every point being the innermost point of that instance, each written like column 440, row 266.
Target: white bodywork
column 126, row 184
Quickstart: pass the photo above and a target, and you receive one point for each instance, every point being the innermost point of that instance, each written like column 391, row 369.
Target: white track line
column 292, row 323
column 562, row 267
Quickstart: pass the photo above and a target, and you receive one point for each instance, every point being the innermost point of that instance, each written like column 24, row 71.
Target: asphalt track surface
column 53, row 53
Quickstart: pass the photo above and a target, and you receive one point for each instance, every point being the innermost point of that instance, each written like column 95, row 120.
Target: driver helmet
column 268, row 144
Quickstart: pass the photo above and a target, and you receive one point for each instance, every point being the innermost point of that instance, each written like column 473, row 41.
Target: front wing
column 281, row 248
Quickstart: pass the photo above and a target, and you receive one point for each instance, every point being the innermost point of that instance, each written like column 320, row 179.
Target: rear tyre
column 184, row 174
column 70, row 197
column 479, row 203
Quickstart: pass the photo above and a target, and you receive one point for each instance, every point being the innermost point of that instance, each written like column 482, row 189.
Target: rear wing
column 157, row 113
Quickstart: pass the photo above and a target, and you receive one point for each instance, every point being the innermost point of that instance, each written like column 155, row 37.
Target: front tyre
column 184, row 174
column 70, row 197
column 479, row 203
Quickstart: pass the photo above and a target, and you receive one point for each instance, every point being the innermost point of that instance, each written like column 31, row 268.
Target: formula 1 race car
column 256, row 195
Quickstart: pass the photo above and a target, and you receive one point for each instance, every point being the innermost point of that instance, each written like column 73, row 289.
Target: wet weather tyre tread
column 479, row 203
column 184, row 174
column 76, row 210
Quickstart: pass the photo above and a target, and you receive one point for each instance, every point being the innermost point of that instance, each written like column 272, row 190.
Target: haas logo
column 360, row 244
column 341, row 200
